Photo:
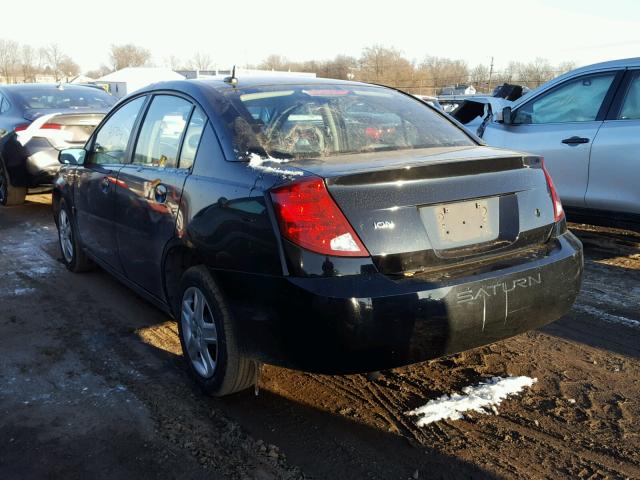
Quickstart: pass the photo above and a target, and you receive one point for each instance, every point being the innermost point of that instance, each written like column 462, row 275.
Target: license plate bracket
column 460, row 224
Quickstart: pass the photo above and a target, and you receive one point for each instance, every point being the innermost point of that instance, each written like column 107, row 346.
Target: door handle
column 160, row 193
column 575, row 140
column 104, row 185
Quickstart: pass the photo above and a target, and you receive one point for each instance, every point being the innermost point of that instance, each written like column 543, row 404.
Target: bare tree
column 55, row 58
column 385, row 65
column 28, row 63
column 275, row 62
column 343, row 67
column 173, row 62
column 479, row 76
column 565, row 67
column 128, row 55
column 98, row 72
column 68, row 67
column 200, row 61
column 9, row 59
column 42, row 63
column 438, row 72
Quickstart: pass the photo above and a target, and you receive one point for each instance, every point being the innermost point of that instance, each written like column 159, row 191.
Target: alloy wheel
column 66, row 236
column 199, row 332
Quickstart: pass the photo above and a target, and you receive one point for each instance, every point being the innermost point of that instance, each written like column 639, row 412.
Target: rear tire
column 208, row 337
column 10, row 195
column 73, row 255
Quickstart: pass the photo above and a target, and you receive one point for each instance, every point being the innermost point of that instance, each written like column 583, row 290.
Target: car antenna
column 232, row 80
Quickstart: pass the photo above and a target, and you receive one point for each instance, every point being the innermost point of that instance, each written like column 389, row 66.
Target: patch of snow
column 41, row 270
column 608, row 317
column 481, row 398
column 255, row 160
column 258, row 163
column 22, row 291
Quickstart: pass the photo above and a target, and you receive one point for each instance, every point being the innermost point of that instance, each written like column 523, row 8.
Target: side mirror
column 72, row 156
column 507, row 116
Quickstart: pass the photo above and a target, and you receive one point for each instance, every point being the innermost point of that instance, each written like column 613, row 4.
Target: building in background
column 81, row 79
column 217, row 73
column 458, row 90
column 123, row 82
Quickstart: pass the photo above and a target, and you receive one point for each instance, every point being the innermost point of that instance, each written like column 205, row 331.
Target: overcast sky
column 239, row 32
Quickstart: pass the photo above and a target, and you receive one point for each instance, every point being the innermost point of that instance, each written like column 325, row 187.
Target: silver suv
column 586, row 124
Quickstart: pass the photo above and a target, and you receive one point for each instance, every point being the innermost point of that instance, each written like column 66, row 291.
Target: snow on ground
column 607, row 317
column 480, row 398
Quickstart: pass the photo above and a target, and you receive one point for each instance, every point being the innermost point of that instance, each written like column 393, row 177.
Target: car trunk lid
column 63, row 129
column 430, row 209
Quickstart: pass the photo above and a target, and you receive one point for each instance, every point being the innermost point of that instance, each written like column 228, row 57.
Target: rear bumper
column 33, row 165
column 42, row 167
column 361, row 323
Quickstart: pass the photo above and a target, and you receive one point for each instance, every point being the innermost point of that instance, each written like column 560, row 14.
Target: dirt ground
column 92, row 385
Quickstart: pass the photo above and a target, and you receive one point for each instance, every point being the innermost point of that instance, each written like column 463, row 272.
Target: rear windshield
column 60, row 98
column 322, row 120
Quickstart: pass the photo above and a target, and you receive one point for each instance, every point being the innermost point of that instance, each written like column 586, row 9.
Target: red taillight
column 51, row 126
column 310, row 218
column 558, row 211
column 21, row 127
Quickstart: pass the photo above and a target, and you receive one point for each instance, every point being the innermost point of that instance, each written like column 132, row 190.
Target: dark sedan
column 36, row 122
column 315, row 224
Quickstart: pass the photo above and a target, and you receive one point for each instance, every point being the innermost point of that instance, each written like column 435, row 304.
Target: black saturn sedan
column 37, row 121
column 315, row 224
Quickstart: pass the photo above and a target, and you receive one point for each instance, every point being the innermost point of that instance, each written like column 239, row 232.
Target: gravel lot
column 92, row 385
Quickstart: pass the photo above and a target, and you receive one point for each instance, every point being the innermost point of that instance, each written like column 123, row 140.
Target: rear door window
column 4, row 105
column 111, row 141
column 577, row 100
column 192, row 138
column 162, row 131
column 631, row 105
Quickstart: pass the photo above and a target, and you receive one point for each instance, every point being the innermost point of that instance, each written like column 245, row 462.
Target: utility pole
column 490, row 74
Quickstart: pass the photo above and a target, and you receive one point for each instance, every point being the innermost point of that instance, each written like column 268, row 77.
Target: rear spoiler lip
column 455, row 168
column 32, row 115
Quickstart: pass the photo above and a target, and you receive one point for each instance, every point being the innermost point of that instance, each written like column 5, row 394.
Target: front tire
column 208, row 339
column 10, row 195
column 73, row 255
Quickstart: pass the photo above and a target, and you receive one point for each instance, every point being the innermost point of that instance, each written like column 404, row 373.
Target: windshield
column 322, row 120
column 64, row 98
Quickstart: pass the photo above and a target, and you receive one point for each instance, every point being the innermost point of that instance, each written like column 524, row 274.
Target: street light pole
column 490, row 74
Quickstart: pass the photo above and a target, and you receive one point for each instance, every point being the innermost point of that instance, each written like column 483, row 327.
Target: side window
column 192, row 138
column 631, row 105
column 4, row 105
column 111, row 140
column 161, row 133
column 577, row 100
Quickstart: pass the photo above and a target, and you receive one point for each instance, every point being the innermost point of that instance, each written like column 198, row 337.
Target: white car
column 586, row 124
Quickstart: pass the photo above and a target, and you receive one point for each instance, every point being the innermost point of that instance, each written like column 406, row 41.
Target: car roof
column 623, row 62
column 219, row 85
column 264, row 80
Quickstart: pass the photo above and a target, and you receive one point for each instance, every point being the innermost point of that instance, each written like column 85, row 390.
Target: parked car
column 431, row 100
column 586, row 124
column 36, row 122
column 316, row 224
column 474, row 111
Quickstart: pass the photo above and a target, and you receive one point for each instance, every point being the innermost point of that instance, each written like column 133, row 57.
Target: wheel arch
column 177, row 259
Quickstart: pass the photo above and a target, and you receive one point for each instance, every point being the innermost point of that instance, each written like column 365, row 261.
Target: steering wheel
column 304, row 138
